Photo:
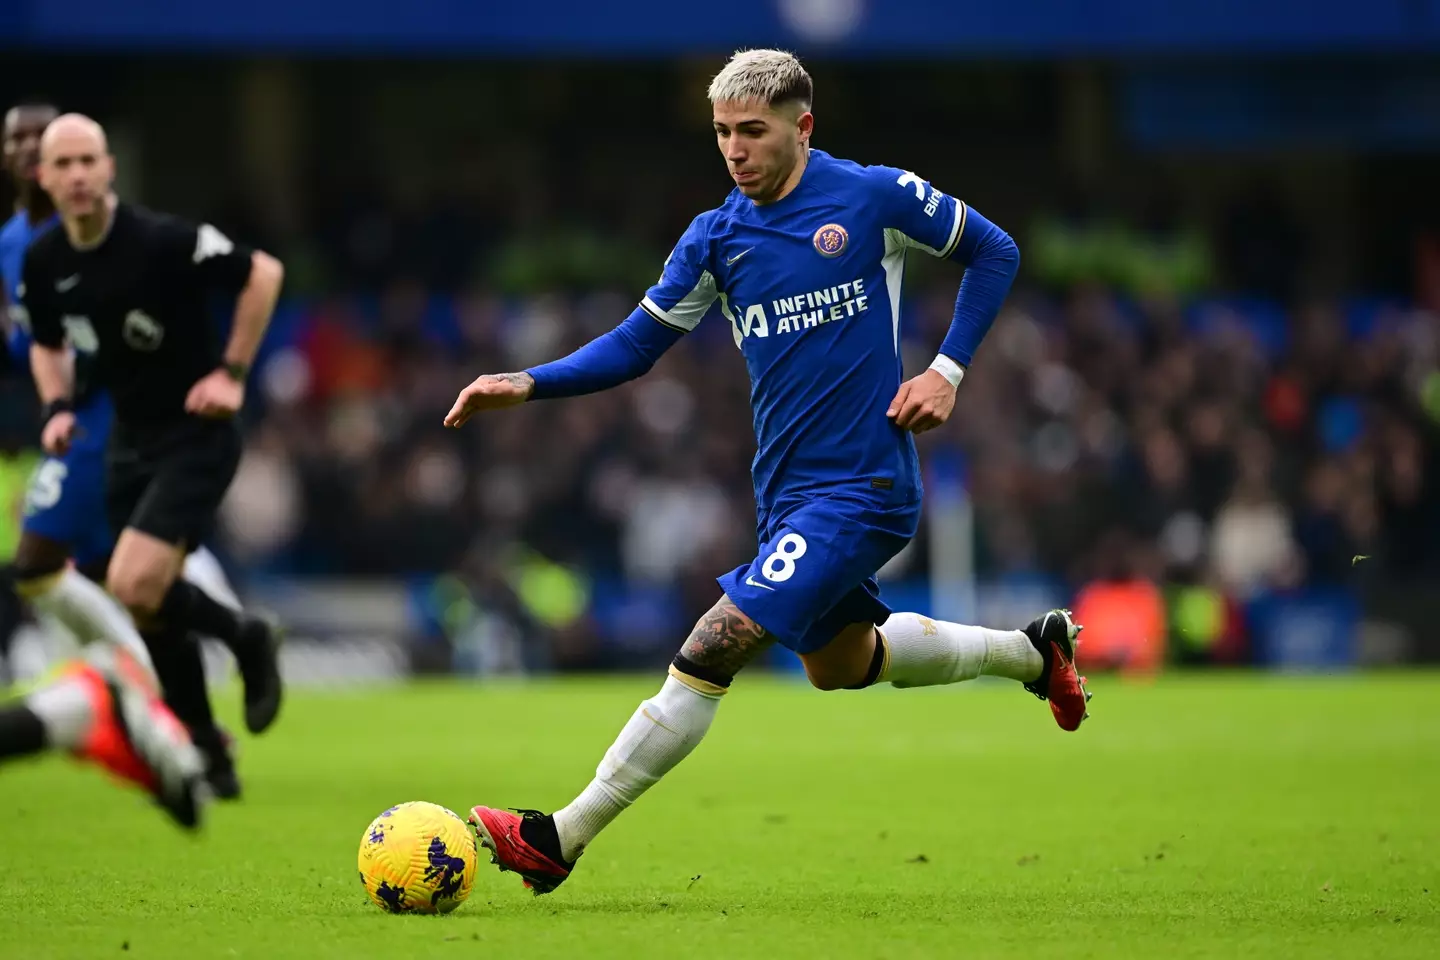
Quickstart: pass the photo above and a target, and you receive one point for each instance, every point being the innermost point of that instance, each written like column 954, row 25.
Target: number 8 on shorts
column 780, row 565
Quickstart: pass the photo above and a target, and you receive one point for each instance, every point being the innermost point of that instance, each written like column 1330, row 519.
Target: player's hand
column 59, row 431
column 490, row 392
column 217, row 395
column 922, row 403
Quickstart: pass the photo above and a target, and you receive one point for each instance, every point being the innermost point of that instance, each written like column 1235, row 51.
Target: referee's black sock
column 176, row 656
column 187, row 605
column 21, row 732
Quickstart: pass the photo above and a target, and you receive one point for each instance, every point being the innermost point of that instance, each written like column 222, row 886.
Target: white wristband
column 948, row 369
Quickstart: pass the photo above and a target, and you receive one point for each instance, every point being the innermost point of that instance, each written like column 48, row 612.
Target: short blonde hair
column 770, row 77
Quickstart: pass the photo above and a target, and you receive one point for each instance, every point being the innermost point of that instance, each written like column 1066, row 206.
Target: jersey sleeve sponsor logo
column 933, row 203
column 19, row 317
column 142, row 332
column 831, row 240
column 210, row 242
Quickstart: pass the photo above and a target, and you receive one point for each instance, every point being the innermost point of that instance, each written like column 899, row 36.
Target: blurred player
column 104, row 708
column 128, row 288
column 805, row 257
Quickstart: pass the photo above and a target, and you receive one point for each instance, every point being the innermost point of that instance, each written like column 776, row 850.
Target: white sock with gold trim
column 925, row 652
column 660, row 734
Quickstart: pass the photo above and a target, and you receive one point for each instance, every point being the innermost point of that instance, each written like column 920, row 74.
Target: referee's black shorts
column 168, row 479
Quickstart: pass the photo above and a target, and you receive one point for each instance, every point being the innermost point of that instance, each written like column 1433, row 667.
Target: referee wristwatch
column 63, row 405
column 237, row 371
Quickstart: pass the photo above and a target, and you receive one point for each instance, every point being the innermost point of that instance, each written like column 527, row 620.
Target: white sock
column 67, row 711
column 924, row 652
column 660, row 734
column 89, row 612
column 203, row 569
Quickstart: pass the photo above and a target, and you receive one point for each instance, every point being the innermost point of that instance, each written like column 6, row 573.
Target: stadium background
column 1215, row 387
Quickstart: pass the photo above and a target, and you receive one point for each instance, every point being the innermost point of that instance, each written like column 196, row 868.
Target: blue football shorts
column 815, row 572
column 65, row 500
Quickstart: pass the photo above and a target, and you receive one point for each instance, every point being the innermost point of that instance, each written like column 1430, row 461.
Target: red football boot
column 1056, row 635
column 136, row 737
column 500, row 832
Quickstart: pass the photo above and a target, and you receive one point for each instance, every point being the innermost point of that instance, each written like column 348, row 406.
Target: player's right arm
column 671, row 308
column 51, row 362
column 943, row 226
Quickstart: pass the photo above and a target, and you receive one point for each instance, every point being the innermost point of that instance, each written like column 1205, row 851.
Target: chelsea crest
column 830, row 240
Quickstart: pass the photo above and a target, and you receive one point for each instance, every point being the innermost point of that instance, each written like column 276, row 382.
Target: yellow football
column 417, row 857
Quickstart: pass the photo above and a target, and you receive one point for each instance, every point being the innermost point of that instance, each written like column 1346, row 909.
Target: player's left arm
column 671, row 308
column 946, row 227
column 254, row 278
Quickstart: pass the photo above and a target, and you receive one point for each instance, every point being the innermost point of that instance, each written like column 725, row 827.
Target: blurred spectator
column 1251, row 546
column 261, row 512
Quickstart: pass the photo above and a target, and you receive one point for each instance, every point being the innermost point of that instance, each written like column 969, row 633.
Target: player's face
column 23, row 127
column 77, row 171
column 761, row 144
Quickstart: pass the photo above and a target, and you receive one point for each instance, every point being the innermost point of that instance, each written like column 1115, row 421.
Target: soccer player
column 104, row 708
column 129, row 287
column 805, row 257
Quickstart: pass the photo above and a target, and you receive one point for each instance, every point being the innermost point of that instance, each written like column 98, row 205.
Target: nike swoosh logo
column 750, row 581
column 737, row 256
column 67, row 284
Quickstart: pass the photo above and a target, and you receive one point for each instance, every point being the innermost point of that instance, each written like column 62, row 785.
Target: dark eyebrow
column 751, row 124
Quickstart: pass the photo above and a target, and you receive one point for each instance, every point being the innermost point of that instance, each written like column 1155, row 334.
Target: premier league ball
column 417, row 858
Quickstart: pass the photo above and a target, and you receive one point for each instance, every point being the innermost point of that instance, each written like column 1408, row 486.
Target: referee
column 131, row 286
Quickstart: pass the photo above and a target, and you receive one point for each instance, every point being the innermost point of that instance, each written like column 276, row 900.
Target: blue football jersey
column 15, row 236
column 811, row 287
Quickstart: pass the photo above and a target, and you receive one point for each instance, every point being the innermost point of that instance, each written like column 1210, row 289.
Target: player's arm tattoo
column 522, row 380
column 725, row 639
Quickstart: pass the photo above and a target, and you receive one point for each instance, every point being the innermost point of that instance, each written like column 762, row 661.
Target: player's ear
column 805, row 124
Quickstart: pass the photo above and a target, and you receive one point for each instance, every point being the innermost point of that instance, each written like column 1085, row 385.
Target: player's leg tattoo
column 722, row 643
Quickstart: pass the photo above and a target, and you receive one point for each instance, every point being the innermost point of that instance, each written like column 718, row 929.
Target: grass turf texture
column 1200, row 817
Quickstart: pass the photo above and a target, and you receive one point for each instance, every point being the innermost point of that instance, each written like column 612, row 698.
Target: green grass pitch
column 1226, row 816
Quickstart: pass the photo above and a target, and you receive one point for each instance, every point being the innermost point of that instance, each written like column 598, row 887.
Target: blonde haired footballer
column 804, row 259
